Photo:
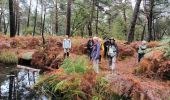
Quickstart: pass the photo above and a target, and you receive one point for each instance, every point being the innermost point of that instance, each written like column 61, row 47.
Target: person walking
column 112, row 53
column 66, row 46
column 106, row 47
column 90, row 44
column 141, row 50
column 96, row 54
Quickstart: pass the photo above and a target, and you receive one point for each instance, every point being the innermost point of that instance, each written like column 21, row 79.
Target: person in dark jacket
column 90, row 44
column 106, row 47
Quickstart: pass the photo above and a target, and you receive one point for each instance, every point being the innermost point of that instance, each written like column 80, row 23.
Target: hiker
column 112, row 53
column 141, row 50
column 106, row 47
column 96, row 54
column 101, row 49
column 66, row 46
column 90, row 44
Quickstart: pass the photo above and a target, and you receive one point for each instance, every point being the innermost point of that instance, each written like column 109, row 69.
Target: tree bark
column 6, row 28
column 143, row 32
column 91, row 19
column 133, row 22
column 56, row 17
column 12, row 19
column 18, row 28
column 125, row 18
column 1, row 21
column 97, row 16
column 41, row 21
column 150, row 19
column 17, row 16
column 68, row 17
column 89, row 27
column 42, row 34
column 29, row 11
column 35, row 20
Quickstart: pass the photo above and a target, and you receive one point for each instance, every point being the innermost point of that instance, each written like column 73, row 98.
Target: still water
column 17, row 84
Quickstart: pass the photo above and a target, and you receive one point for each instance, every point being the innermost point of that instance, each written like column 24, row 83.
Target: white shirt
column 67, row 43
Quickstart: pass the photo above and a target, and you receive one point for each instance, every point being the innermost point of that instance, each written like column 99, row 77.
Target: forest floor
column 124, row 80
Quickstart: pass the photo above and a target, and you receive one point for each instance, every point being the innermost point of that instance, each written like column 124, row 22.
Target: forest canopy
column 103, row 18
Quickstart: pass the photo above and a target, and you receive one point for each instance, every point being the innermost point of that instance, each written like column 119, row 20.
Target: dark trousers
column 89, row 51
column 105, row 52
column 100, row 58
column 140, row 56
column 66, row 54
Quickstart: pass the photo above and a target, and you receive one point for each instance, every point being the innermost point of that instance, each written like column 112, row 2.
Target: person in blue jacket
column 96, row 54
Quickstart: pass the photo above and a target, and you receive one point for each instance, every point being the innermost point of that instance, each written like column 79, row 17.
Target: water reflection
column 17, row 84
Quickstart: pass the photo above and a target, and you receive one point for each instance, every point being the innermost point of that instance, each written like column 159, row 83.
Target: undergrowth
column 76, row 82
column 77, row 65
column 8, row 57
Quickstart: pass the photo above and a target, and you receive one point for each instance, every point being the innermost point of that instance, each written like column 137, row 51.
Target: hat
column 112, row 39
column 95, row 38
column 144, row 42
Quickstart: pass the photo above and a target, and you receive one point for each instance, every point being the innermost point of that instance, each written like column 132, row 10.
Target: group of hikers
column 94, row 47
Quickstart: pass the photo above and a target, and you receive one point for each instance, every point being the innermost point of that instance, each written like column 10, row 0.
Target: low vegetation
column 156, row 61
column 74, row 80
column 8, row 57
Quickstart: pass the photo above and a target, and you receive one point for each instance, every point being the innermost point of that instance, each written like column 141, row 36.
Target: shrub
column 77, row 65
column 102, row 90
column 8, row 57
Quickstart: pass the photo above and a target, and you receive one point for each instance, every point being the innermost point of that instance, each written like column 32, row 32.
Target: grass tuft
column 8, row 57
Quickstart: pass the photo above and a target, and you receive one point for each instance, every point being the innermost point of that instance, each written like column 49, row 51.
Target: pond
column 16, row 83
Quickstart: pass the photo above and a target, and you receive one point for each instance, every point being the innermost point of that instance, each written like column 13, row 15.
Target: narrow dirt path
column 124, row 74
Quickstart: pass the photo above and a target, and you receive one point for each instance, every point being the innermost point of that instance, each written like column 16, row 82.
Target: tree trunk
column 12, row 19
column 18, row 28
column 89, row 27
column 154, row 33
column 41, row 22
column 29, row 11
column 6, row 29
column 1, row 21
column 97, row 17
column 68, row 17
column 17, row 16
column 143, row 32
column 42, row 34
column 133, row 22
column 56, row 17
column 125, row 18
column 35, row 20
column 91, row 19
column 150, row 18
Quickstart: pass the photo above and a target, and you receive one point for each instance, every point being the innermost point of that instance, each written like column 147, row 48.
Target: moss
column 8, row 57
